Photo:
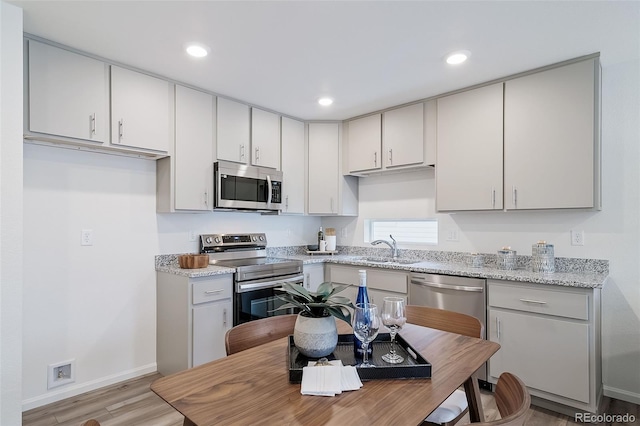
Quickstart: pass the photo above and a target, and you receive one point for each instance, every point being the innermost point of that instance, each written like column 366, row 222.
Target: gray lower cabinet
column 381, row 283
column 193, row 316
column 313, row 276
column 549, row 336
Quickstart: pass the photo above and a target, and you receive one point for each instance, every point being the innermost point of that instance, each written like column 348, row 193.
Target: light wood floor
column 132, row 403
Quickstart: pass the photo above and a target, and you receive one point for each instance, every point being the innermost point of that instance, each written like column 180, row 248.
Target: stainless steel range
column 257, row 278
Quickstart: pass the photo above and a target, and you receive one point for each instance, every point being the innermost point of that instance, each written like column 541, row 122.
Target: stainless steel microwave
column 242, row 187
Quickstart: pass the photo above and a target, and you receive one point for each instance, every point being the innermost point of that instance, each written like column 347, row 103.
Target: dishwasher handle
column 423, row 282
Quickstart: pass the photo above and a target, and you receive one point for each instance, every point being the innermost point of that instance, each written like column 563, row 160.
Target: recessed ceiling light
column 458, row 57
column 325, row 101
column 197, row 50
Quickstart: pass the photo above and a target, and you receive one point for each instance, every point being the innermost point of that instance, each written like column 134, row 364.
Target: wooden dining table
column 252, row 387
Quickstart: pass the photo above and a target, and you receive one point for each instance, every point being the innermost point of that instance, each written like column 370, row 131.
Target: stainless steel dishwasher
column 458, row 294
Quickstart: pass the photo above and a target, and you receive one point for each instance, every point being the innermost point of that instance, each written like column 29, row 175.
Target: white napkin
column 329, row 380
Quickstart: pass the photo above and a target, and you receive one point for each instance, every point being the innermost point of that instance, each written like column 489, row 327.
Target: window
column 404, row 231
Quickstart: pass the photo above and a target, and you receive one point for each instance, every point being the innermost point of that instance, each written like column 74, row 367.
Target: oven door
column 258, row 299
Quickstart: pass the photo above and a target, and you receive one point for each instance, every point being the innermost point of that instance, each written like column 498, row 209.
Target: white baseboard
column 81, row 388
column 622, row 395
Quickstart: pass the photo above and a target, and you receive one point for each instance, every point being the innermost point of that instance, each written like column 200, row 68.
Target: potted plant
column 315, row 333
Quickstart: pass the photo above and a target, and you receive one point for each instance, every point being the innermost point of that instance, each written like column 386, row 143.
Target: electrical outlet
column 577, row 238
column 452, row 235
column 343, row 232
column 61, row 373
column 192, row 235
column 86, row 238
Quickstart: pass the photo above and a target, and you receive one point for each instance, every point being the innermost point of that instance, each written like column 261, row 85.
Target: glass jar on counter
column 506, row 259
column 542, row 257
column 475, row 260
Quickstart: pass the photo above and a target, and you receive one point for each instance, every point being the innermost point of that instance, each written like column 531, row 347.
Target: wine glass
column 366, row 324
column 393, row 317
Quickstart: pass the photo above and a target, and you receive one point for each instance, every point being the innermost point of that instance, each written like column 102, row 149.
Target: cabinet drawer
column 540, row 300
column 209, row 290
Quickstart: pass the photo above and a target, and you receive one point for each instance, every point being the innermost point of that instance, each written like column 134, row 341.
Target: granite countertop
column 572, row 272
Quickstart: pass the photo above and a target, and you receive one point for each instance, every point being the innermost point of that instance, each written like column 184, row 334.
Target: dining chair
column 513, row 401
column 255, row 333
column 455, row 406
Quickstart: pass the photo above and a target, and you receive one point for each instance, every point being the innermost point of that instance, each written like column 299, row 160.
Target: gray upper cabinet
column 365, row 143
column 551, row 138
column 469, row 150
column 293, row 145
column 68, row 94
column 233, row 131
column 141, row 108
column 403, row 136
column 265, row 139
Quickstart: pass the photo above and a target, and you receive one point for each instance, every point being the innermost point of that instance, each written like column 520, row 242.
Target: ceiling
column 367, row 55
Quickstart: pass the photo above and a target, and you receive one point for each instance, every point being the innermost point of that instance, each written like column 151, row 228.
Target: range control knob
column 217, row 240
column 254, row 238
column 261, row 237
column 208, row 240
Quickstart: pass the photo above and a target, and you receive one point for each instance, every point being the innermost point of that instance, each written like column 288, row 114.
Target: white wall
column 95, row 304
column 11, row 275
column 613, row 233
column 174, row 229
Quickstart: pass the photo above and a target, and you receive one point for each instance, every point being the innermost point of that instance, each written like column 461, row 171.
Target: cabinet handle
column 515, row 196
column 214, row 291
column 241, row 152
column 493, row 198
column 93, row 123
column 375, row 159
column 257, row 154
column 390, row 156
column 224, row 317
column 121, row 128
column 206, row 199
column 498, row 328
column 538, row 302
column 286, row 203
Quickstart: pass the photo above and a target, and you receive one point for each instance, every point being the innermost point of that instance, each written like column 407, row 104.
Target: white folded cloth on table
column 329, row 380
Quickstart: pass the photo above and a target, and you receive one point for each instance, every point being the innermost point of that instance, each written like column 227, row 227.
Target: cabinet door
column 324, row 167
column 265, row 139
column 68, row 94
column 233, row 129
column 293, row 166
column 193, row 149
column 547, row 353
column 313, row 276
column 469, row 150
column 550, row 138
column 210, row 323
column 139, row 110
column 365, row 143
column 404, row 136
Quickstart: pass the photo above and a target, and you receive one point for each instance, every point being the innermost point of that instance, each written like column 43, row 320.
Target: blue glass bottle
column 363, row 298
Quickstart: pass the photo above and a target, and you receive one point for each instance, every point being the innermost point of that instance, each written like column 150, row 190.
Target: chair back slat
column 255, row 333
column 440, row 319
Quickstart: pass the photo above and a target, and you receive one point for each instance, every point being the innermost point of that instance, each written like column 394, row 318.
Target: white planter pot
column 315, row 337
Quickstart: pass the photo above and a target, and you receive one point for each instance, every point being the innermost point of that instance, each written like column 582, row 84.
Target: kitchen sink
column 389, row 260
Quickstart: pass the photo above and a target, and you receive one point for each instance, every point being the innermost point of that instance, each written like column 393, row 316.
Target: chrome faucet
column 393, row 247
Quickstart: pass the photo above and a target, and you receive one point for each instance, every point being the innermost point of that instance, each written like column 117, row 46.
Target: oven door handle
column 243, row 287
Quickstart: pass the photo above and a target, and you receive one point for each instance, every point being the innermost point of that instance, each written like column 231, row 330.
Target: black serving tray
column 413, row 366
